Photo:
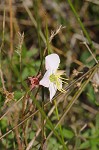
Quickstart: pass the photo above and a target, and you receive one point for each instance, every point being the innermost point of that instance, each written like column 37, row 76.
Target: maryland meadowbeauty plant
column 52, row 78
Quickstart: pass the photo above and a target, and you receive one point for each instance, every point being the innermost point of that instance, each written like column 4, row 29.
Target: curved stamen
column 63, row 78
column 56, row 80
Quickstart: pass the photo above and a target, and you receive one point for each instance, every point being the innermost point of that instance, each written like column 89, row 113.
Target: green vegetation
column 29, row 31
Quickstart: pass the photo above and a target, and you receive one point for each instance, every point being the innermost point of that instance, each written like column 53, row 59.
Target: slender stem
column 43, row 125
column 60, row 127
column 81, row 24
column 3, row 33
column 20, row 44
column 21, row 68
column 2, row 44
column 47, row 37
column 91, row 52
column 49, row 123
column 11, row 28
column 37, row 2
column 34, row 22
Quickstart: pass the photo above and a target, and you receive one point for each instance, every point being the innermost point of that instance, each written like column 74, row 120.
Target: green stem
column 81, row 24
column 47, row 38
column 21, row 67
column 36, row 4
column 49, row 123
column 3, row 34
column 60, row 127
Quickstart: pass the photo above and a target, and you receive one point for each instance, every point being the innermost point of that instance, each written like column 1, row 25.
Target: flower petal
column 52, row 89
column 45, row 80
column 52, row 62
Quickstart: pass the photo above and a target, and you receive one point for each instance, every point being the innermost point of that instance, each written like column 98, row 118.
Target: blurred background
column 25, row 27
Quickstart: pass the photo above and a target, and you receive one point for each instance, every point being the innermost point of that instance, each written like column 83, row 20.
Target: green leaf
column 94, row 142
column 85, row 145
column 25, row 73
column 67, row 133
column 77, row 142
column 90, row 94
column 18, row 94
column 97, row 122
column 31, row 135
column 85, row 55
column 54, row 145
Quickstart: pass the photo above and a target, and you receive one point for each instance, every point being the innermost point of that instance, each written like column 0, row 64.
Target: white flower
column 52, row 79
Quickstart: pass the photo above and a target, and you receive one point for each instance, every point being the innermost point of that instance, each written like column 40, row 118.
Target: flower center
column 53, row 78
column 58, row 80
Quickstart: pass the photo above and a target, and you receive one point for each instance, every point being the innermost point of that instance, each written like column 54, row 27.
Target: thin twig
column 11, row 28
column 95, row 1
column 2, row 80
column 90, row 52
column 3, row 32
column 34, row 22
column 11, row 108
column 54, row 33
